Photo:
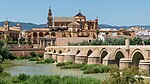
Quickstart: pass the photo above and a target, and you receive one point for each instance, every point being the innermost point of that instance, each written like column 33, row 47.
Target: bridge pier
column 93, row 58
column 124, row 63
column 144, row 66
column 60, row 57
column 80, row 59
column 48, row 55
column 107, row 60
column 54, row 56
column 70, row 56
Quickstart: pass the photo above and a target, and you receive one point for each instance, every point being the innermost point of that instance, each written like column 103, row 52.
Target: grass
column 47, row 61
column 45, row 79
column 87, row 69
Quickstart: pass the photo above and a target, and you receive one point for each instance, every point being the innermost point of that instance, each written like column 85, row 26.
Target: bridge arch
column 89, row 52
column 54, row 51
column 136, row 56
column 103, row 54
column 118, row 55
column 60, row 51
column 78, row 52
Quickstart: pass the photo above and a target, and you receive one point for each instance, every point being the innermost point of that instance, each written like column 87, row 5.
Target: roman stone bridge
column 123, row 56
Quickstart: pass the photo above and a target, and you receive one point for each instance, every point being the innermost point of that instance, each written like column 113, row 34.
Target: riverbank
column 31, row 68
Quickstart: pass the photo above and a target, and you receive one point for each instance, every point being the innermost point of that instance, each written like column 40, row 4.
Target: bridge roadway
column 123, row 56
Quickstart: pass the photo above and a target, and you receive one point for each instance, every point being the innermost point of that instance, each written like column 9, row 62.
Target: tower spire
column 49, row 8
column 79, row 11
column 49, row 18
column 6, row 18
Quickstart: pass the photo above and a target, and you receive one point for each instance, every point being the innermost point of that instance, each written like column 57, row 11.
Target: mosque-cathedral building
column 7, row 32
column 61, row 30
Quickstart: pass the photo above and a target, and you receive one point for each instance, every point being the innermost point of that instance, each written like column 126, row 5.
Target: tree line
column 112, row 41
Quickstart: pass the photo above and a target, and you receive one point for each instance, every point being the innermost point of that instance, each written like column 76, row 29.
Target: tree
column 1, row 44
column 136, row 41
column 32, row 54
column 119, row 41
column 147, row 41
column 1, row 59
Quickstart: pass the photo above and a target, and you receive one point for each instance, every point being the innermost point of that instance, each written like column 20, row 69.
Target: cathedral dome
column 18, row 25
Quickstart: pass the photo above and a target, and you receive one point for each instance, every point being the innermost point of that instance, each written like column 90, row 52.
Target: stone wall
column 64, row 41
column 26, row 52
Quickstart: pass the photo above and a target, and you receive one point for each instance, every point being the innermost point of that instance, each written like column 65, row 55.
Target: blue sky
column 113, row 12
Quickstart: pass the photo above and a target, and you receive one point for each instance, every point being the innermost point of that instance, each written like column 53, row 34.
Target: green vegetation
column 126, row 76
column 1, row 69
column 16, row 42
column 87, row 69
column 147, row 41
column 22, row 57
column 35, row 57
column 4, row 52
column 110, row 41
column 31, row 57
column 85, row 43
column 50, row 60
column 45, row 79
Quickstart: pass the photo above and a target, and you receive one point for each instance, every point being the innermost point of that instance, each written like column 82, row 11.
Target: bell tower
column 6, row 25
column 49, row 18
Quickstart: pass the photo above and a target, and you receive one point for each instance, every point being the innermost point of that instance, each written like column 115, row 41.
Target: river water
column 31, row 68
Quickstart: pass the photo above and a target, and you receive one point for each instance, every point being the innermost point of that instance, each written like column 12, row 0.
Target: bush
column 34, row 59
column 88, row 69
column 1, row 69
column 84, row 67
column 15, row 42
column 60, row 64
column 1, row 59
column 72, row 66
column 40, row 55
column 23, row 77
column 127, row 76
column 50, row 60
column 15, row 79
column 32, row 54
column 4, row 74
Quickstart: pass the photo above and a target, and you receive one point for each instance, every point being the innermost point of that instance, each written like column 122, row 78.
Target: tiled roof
column 74, row 23
column 63, row 19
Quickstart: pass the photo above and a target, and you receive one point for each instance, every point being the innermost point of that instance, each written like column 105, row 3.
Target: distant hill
column 28, row 26
column 24, row 26
column 117, row 27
